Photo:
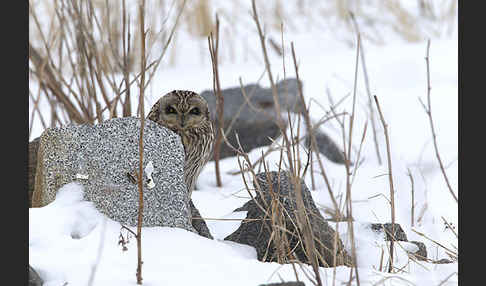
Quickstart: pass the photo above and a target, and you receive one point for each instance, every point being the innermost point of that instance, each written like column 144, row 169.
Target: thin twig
column 140, row 150
column 428, row 110
column 413, row 198
column 347, row 162
column 368, row 92
column 450, row 227
column 447, row 278
column 213, row 50
column 302, row 218
column 450, row 252
column 390, row 178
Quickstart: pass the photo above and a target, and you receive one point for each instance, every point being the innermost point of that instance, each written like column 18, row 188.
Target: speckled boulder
column 31, row 167
column 100, row 156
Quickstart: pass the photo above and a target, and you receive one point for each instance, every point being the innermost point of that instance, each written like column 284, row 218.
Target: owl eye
column 195, row 111
column 170, row 110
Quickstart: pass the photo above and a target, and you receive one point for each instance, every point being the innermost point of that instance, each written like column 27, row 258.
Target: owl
column 187, row 114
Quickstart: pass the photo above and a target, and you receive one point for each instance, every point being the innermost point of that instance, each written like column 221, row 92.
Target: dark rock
column 253, row 127
column 284, row 284
column 258, row 231
column 199, row 224
column 400, row 235
column 34, row 278
column 421, row 254
column 326, row 147
column 105, row 153
column 387, row 228
column 31, row 166
column 443, row 261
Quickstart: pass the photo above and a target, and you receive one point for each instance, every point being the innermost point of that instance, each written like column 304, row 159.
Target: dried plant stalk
column 428, row 110
column 140, row 150
column 390, row 179
column 213, row 50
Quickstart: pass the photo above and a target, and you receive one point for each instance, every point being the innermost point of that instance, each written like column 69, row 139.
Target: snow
column 69, row 239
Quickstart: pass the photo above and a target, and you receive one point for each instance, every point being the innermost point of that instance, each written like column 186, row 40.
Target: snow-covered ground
column 397, row 76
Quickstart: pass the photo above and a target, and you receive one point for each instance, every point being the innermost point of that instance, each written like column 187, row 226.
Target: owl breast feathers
column 187, row 114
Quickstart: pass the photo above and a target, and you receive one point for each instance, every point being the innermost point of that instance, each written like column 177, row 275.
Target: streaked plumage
column 186, row 113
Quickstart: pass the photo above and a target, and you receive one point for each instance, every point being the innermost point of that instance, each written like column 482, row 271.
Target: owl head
column 180, row 110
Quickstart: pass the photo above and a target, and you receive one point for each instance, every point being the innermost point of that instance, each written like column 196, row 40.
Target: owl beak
column 182, row 120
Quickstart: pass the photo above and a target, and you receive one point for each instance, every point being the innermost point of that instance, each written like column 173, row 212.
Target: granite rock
column 100, row 156
column 31, row 166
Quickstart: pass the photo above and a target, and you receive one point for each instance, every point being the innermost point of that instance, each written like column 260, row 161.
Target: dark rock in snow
column 253, row 127
column 443, row 261
column 400, row 235
column 100, row 156
column 257, row 232
column 326, row 147
column 421, row 254
column 199, row 224
column 34, row 278
column 387, row 228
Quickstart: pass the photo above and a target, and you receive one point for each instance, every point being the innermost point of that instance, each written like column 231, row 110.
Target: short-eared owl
column 187, row 114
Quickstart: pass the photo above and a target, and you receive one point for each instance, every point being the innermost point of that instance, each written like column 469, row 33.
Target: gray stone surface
column 106, row 152
column 253, row 127
column 198, row 223
column 257, row 232
column 32, row 165
column 400, row 235
column 442, row 261
column 327, row 147
column 421, row 254
column 386, row 228
column 34, row 278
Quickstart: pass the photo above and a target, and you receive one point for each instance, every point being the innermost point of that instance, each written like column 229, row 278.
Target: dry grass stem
column 347, row 162
column 247, row 101
column 449, row 226
column 213, row 50
column 451, row 253
column 368, row 91
column 447, row 278
column 302, row 217
column 412, row 211
column 428, row 110
column 390, row 179
column 140, row 150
